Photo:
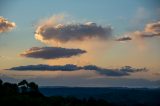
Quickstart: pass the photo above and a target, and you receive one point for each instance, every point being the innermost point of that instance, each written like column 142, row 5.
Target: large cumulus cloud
column 6, row 25
column 123, row 71
column 60, row 32
column 51, row 52
column 150, row 30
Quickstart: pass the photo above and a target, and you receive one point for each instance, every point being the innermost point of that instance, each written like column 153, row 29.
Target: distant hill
column 114, row 95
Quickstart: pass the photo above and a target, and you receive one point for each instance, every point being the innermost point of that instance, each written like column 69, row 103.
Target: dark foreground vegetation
column 27, row 94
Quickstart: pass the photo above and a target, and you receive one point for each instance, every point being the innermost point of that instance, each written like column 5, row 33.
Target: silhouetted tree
column 1, row 89
column 30, row 96
column 33, row 87
column 10, row 89
column 1, row 82
column 23, row 83
column 23, row 86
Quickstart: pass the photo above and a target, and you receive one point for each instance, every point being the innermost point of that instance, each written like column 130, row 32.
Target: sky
column 98, row 43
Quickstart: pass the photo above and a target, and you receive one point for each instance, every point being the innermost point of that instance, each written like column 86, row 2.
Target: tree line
column 27, row 94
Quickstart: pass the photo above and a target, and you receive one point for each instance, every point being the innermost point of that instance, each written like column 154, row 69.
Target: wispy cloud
column 140, row 17
column 51, row 52
column 123, row 71
column 6, row 25
column 150, row 30
column 55, row 30
column 5, row 57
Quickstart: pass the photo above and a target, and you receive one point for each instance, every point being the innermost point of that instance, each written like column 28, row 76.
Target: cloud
column 123, row 71
column 150, row 30
column 51, row 52
column 4, row 57
column 6, row 25
column 55, row 30
column 124, row 38
column 157, row 74
column 140, row 17
column 153, row 28
column 42, row 67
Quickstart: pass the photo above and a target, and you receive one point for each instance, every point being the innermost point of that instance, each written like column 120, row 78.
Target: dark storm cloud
column 72, row 32
column 6, row 25
column 124, row 71
column 51, row 52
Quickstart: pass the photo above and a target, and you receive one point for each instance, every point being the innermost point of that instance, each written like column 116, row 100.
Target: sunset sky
column 81, row 43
